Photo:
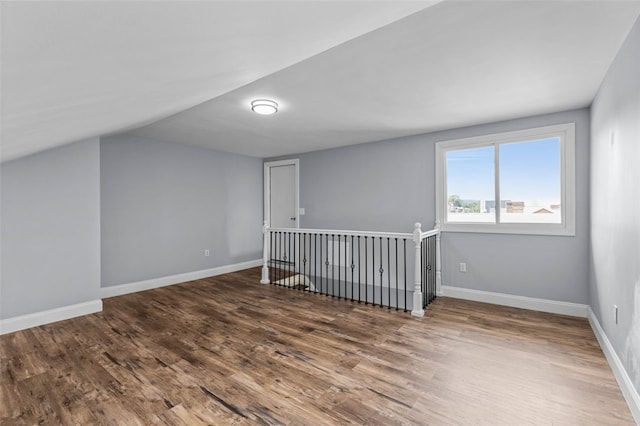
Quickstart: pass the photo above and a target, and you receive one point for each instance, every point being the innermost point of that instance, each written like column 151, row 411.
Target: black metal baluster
column 359, row 273
column 339, row 268
column 405, row 274
column 305, row 276
column 426, row 272
column 320, row 262
column 425, row 296
column 300, row 263
column 433, row 267
column 388, row 275
column 271, row 269
column 396, row 264
column 366, row 273
column 353, row 267
column 315, row 262
column 429, row 271
column 279, row 257
column 432, row 289
column 285, row 258
column 342, row 276
column 326, row 263
column 285, row 247
column 373, row 270
column 297, row 253
column 381, row 270
column 287, row 279
column 422, row 268
column 344, row 265
column 426, row 275
column 333, row 265
column 325, row 256
column 315, row 274
column 432, row 270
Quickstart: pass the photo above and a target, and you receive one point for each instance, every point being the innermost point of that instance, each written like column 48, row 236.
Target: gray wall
column 615, row 204
column 163, row 204
column 389, row 185
column 50, row 207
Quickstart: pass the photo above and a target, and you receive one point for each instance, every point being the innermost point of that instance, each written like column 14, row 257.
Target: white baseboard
column 118, row 290
column 543, row 305
column 624, row 381
column 22, row 322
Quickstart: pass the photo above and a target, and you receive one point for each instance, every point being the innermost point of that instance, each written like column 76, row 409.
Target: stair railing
column 362, row 266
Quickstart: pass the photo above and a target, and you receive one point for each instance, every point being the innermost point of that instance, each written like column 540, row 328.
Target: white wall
column 50, row 227
column 163, row 204
column 389, row 185
column 615, row 205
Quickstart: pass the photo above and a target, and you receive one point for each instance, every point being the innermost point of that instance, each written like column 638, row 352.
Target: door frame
column 267, row 188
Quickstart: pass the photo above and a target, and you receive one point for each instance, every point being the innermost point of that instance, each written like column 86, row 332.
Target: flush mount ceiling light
column 264, row 106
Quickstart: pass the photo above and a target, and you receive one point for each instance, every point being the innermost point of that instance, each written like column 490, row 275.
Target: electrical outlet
column 206, row 253
column 615, row 314
column 463, row 267
column 301, row 211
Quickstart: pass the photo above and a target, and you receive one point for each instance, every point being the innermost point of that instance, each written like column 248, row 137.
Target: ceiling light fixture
column 264, row 106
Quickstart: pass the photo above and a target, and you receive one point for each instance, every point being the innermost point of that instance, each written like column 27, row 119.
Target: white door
column 281, row 198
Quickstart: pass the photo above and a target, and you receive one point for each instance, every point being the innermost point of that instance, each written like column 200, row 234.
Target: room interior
column 129, row 145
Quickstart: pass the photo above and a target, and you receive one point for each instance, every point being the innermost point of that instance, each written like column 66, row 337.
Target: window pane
column 530, row 181
column 470, row 185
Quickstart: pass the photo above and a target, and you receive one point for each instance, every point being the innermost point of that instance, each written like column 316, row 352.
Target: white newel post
column 265, row 254
column 438, row 261
column 417, row 289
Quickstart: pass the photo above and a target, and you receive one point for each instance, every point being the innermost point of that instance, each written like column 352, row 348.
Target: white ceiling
column 343, row 72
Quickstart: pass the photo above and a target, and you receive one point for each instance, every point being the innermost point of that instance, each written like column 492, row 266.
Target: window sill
column 509, row 228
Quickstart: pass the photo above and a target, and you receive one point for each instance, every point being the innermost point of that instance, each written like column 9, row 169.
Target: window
column 520, row 182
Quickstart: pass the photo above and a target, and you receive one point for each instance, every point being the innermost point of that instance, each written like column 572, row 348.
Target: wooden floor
column 228, row 350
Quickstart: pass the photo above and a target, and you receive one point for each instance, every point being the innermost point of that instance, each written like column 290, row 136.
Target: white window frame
column 566, row 133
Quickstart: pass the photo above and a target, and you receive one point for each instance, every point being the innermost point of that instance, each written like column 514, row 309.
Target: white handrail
column 426, row 234
column 404, row 235
column 345, row 232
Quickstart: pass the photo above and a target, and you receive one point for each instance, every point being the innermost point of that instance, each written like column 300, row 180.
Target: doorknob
column 293, row 218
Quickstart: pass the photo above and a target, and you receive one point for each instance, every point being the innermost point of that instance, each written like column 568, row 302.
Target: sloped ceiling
column 72, row 70
column 342, row 72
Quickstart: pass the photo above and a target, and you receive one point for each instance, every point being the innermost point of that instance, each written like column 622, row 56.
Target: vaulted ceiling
column 343, row 72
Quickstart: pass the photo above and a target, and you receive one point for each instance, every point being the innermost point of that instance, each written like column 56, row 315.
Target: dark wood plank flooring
column 228, row 350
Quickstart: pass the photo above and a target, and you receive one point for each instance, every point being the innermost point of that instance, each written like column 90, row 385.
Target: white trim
column 267, row 187
column 542, row 305
column 22, row 322
column 629, row 391
column 342, row 232
column 566, row 132
column 118, row 290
